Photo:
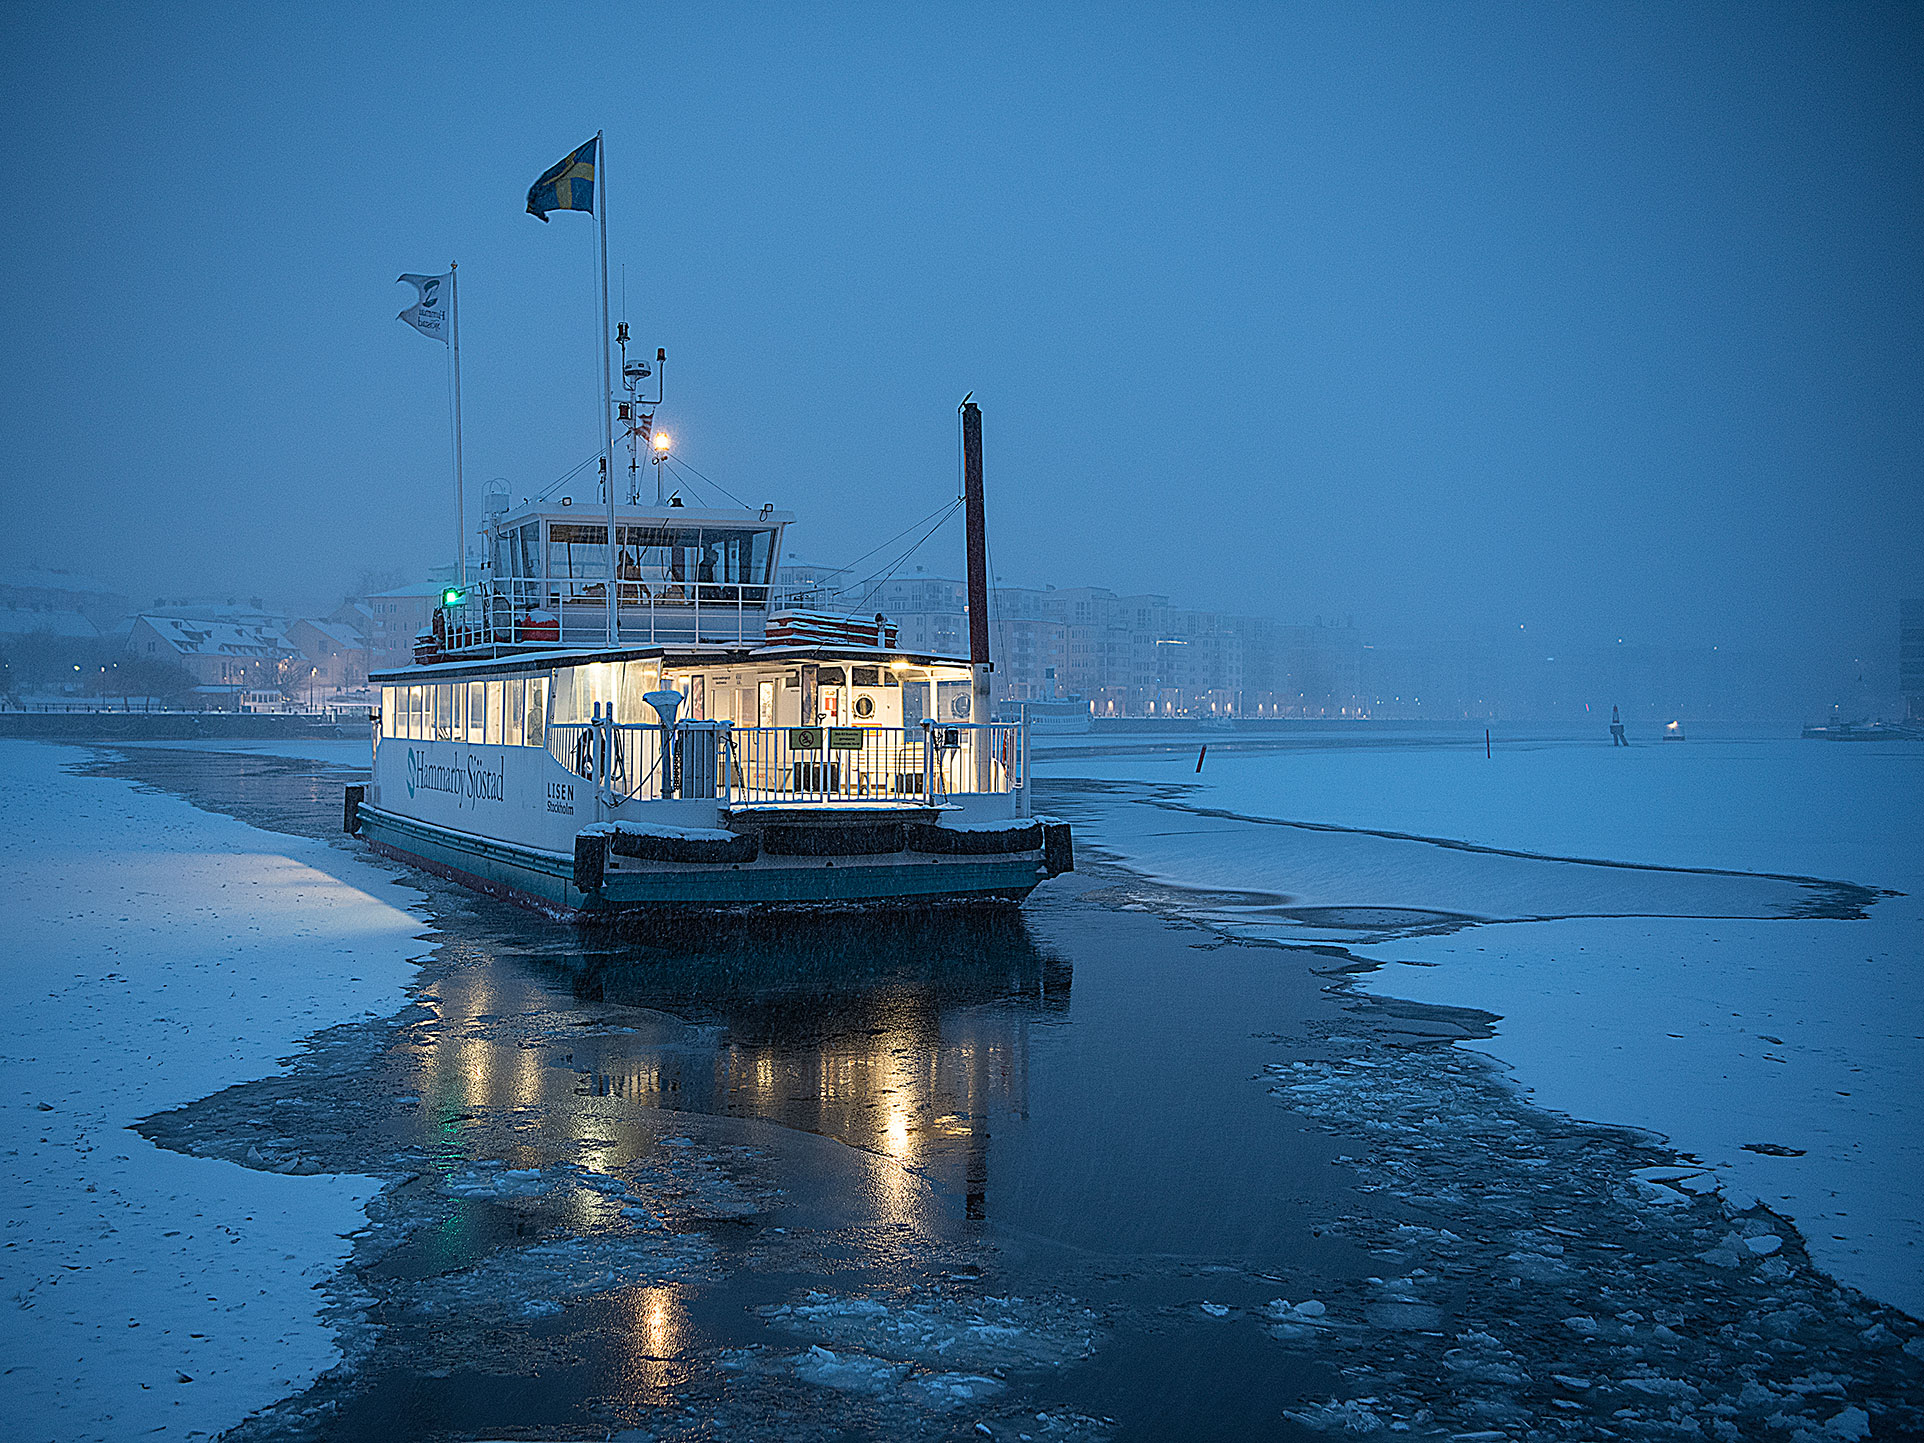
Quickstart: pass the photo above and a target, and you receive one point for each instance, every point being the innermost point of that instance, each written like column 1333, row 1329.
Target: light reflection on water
column 903, row 1035
column 654, row 1332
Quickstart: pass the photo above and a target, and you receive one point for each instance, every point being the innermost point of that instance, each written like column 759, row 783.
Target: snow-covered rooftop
column 191, row 636
column 26, row 621
column 337, row 632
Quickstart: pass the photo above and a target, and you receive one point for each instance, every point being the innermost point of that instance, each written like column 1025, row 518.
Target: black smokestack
column 978, row 535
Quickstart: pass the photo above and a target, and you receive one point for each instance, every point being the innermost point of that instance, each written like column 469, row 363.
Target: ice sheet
column 154, row 954
column 1697, row 1005
column 358, row 753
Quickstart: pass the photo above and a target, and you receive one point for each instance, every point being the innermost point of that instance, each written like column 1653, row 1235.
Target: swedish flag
column 567, row 186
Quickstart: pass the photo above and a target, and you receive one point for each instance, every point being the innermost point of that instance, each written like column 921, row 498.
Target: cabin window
column 492, row 731
column 561, row 695
column 864, row 676
column 512, row 712
column 830, row 676
column 477, row 710
column 458, row 720
column 697, row 698
column 537, row 721
column 665, row 558
column 387, row 711
column 417, row 706
column 577, row 551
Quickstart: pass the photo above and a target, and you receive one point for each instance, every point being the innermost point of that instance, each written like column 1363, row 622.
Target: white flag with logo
column 429, row 313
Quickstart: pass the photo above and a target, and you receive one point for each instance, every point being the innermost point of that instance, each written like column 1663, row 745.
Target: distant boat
column 1863, row 732
column 1057, row 716
column 1673, row 732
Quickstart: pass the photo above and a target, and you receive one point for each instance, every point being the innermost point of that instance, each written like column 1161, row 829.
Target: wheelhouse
column 681, row 576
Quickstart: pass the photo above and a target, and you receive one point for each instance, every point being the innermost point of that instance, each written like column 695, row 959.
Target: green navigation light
column 453, row 596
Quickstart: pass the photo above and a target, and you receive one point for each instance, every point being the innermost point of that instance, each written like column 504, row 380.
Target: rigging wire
column 680, row 464
column 884, row 578
column 942, row 510
column 566, row 476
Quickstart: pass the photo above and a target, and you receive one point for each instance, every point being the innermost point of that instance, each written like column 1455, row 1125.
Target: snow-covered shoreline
column 1720, row 1032
column 156, row 953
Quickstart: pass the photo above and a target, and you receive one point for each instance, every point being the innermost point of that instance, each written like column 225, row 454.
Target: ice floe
column 156, row 954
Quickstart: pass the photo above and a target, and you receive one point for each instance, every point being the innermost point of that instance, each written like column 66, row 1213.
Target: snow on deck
column 155, row 954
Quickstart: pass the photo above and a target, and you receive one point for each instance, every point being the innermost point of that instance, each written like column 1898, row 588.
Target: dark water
column 1023, row 1173
column 1053, row 1103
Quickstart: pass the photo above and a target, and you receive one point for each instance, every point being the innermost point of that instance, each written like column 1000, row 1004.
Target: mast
column 460, row 517
column 607, row 386
column 980, row 694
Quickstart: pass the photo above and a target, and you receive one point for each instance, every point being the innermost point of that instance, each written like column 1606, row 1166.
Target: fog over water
column 1592, row 322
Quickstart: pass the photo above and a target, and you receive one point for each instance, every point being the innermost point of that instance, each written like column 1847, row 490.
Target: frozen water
column 358, row 753
column 850, row 1372
column 1765, row 1025
column 155, row 954
column 978, row 1334
column 1548, row 1258
column 538, row 1280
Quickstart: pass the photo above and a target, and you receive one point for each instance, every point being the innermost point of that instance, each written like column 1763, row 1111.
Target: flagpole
column 607, row 385
column 460, row 515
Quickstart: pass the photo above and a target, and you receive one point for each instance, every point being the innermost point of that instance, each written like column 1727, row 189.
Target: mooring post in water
column 981, row 699
column 1199, row 758
column 1486, row 741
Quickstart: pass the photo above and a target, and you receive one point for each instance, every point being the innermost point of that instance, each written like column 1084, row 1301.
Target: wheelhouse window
column 577, row 552
column 668, row 559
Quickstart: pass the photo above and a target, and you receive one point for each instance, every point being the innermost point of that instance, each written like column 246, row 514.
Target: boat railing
column 573, row 612
column 790, row 766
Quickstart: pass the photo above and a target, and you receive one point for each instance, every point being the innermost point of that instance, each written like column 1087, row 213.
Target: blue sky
column 1600, row 319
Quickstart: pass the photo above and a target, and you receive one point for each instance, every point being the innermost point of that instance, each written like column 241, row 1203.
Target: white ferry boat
column 601, row 725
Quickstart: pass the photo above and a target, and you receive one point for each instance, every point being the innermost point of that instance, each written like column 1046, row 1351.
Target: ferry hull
column 545, row 881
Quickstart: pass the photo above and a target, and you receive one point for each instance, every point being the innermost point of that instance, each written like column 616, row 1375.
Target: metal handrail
column 921, row 764
column 574, row 611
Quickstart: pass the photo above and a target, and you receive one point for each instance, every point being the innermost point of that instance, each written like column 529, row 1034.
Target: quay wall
column 134, row 726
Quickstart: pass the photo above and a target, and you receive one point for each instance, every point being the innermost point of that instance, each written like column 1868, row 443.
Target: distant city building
column 235, row 665
column 393, row 618
column 810, row 583
column 22, row 621
column 333, row 658
column 58, row 604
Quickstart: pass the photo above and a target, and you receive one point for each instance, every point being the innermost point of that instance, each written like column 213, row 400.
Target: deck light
column 661, row 440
